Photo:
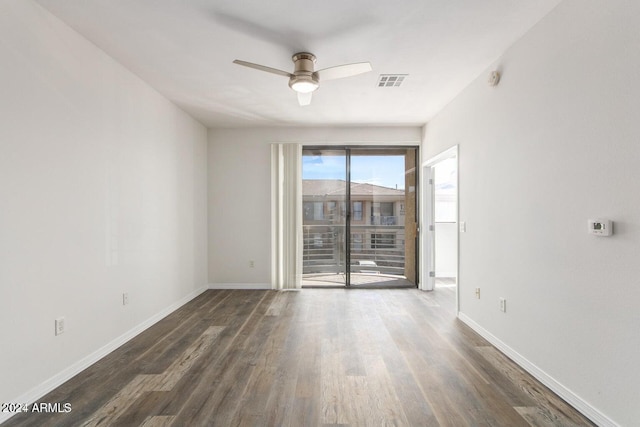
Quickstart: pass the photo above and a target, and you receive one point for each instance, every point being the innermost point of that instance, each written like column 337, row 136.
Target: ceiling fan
column 304, row 80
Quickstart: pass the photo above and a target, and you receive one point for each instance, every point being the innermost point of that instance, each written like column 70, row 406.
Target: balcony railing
column 384, row 220
column 330, row 219
column 373, row 249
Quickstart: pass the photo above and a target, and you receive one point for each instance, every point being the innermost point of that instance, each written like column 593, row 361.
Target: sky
column 386, row 171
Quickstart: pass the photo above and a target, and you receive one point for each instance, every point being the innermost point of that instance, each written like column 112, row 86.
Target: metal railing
column 335, row 218
column 374, row 249
column 384, row 220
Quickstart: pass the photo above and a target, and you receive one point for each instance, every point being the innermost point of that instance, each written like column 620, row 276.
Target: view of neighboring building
column 377, row 227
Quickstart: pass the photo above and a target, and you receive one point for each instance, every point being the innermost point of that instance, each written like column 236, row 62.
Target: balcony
column 331, row 219
column 383, row 220
column 375, row 249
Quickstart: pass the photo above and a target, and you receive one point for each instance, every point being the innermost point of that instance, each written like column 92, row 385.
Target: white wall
column 446, row 249
column 556, row 143
column 102, row 191
column 240, row 193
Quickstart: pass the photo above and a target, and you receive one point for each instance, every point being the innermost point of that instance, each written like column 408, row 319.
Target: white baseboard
column 246, row 286
column 570, row 397
column 37, row 392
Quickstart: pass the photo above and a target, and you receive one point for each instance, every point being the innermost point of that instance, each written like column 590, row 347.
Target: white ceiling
column 185, row 49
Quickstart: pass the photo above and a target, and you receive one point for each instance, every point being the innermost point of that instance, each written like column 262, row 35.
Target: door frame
column 427, row 240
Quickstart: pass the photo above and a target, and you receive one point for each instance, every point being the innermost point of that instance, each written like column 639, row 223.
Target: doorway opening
column 441, row 213
column 359, row 215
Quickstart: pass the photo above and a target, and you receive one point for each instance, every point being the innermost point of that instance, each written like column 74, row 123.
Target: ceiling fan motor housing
column 304, row 79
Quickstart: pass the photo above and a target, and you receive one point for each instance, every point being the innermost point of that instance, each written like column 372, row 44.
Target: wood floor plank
column 549, row 406
column 278, row 304
column 464, row 341
column 178, row 330
column 215, row 398
column 307, row 402
column 381, row 402
column 158, row 421
column 267, row 369
column 143, row 410
column 335, row 408
column 334, row 357
column 373, row 339
column 141, row 384
column 536, row 417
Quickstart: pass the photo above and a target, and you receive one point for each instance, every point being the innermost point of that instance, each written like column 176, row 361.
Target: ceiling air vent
column 391, row 80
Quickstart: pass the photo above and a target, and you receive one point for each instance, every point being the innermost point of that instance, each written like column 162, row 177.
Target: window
column 382, row 213
column 382, row 241
column 356, row 242
column 386, row 208
column 357, row 211
column 318, row 210
column 312, row 210
column 386, row 214
column 332, row 213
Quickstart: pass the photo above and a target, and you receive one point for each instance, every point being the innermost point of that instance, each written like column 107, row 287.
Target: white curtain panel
column 286, row 216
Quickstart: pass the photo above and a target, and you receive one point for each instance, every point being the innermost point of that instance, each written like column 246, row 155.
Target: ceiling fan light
column 304, row 86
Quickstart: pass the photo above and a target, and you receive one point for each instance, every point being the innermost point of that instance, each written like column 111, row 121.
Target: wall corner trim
column 66, row 374
column 574, row 400
column 241, row 286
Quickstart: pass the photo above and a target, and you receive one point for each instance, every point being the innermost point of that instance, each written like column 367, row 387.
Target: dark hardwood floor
column 316, row 357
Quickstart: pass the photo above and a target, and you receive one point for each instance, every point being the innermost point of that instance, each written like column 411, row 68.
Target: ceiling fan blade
column 341, row 71
column 304, row 98
column 263, row 68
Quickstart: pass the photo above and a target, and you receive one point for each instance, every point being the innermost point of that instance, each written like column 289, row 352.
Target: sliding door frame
column 348, row 205
column 347, row 225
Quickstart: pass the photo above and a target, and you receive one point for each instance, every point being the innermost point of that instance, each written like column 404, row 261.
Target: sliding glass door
column 359, row 216
column 382, row 226
column 324, row 215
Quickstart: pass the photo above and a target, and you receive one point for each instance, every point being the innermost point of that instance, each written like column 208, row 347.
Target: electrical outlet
column 125, row 298
column 59, row 325
column 503, row 305
column 478, row 293
column 252, row 264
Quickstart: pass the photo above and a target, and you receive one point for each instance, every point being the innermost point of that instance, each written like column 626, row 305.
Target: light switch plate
column 59, row 326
